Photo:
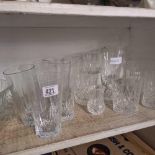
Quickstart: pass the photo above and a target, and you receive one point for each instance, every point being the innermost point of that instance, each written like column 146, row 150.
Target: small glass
column 95, row 103
column 24, row 91
column 92, row 61
column 126, row 91
column 6, row 104
column 82, row 89
column 148, row 98
column 47, row 114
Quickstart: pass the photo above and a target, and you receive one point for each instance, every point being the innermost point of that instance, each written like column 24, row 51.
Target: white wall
column 27, row 44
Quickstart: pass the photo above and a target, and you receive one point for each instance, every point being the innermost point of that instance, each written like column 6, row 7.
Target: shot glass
column 47, row 114
column 95, row 103
column 126, row 91
column 24, row 91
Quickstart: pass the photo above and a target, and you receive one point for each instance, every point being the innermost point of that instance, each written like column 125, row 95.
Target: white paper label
column 49, row 91
column 116, row 60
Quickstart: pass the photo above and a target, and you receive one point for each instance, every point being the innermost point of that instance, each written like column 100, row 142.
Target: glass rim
column 56, row 61
column 9, row 70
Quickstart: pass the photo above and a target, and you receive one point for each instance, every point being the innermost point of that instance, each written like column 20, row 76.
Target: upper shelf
column 70, row 9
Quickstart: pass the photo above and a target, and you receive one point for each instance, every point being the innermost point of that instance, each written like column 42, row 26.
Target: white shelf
column 18, row 139
column 69, row 9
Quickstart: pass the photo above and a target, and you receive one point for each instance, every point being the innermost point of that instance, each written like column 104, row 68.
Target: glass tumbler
column 126, row 91
column 82, row 90
column 67, row 89
column 47, row 114
column 24, row 91
column 92, row 61
column 112, row 69
column 148, row 97
column 6, row 104
column 88, row 64
column 95, row 103
column 80, row 79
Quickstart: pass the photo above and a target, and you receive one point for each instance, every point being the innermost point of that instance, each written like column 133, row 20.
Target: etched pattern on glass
column 24, row 91
column 95, row 103
column 126, row 92
column 148, row 98
column 47, row 113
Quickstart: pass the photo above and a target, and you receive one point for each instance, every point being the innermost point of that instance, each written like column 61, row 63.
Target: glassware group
column 44, row 93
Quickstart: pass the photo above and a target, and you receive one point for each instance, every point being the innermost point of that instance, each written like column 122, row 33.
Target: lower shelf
column 17, row 139
column 124, row 144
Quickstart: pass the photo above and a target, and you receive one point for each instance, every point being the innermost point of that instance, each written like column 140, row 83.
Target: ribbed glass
column 24, row 91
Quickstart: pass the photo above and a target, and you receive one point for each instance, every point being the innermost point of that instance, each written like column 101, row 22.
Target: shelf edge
column 84, row 139
column 72, row 9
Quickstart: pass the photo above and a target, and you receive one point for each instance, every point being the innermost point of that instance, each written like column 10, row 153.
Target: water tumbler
column 80, row 80
column 126, row 91
column 95, row 103
column 113, row 63
column 148, row 97
column 6, row 104
column 88, row 64
column 47, row 114
column 67, row 89
column 24, row 91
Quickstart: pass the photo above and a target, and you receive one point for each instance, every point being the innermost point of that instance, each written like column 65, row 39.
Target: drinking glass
column 24, row 91
column 6, row 104
column 95, row 103
column 113, row 63
column 92, row 61
column 148, row 98
column 82, row 89
column 67, row 89
column 87, row 65
column 126, row 91
column 47, row 114
column 80, row 82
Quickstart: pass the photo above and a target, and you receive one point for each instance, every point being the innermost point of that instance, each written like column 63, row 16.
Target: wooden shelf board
column 72, row 9
column 17, row 139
